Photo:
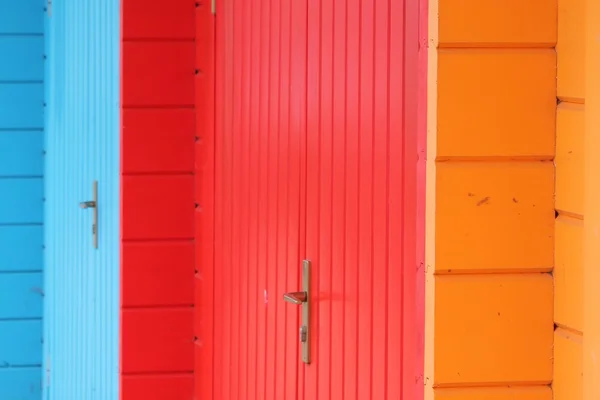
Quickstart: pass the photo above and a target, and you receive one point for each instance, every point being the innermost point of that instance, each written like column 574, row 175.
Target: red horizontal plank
column 158, row 74
column 158, row 340
column 158, row 387
column 158, row 140
column 158, row 207
column 158, row 19
column 158, row 274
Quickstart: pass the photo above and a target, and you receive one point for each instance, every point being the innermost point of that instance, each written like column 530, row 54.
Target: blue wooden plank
column 20, row 295
column 21, row 248
column 21, row 153
column 22, row 16
column 22, row 58
column 21, row 201
column 21, row 105
column 22, row 343
column 21, row 383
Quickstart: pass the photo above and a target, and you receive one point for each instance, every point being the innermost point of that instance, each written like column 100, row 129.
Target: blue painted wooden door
column 81, row 330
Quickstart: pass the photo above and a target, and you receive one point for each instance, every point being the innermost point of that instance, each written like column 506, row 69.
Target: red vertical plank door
column 315, row 157
column 257, row 201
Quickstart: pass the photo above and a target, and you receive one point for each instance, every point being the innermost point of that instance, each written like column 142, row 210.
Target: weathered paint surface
column 315, row 157
column 569, row 161
column 21, row 200
column 82, row 285
column 158, row 144
column 490, row 200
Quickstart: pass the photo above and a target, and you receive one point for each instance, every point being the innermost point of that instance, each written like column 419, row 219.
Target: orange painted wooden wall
column 490, row 200
column 570, row 132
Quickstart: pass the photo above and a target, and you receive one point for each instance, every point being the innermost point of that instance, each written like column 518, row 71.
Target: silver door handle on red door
column 303, row 299
column 295, row 297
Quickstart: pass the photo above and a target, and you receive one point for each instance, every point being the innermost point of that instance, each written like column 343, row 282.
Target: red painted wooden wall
column 158, row 136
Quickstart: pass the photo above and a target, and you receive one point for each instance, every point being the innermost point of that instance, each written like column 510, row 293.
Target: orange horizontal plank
column 494, row 217
column 510, row 23
column 496, row 103
column 493, row 329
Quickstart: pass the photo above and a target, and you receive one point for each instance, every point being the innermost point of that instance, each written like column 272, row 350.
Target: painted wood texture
column 82, row 283
column 158, row 136
column 21, row 200
column 490, row 200
column 204, row 215
column 316, row 144
column 570, row 176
